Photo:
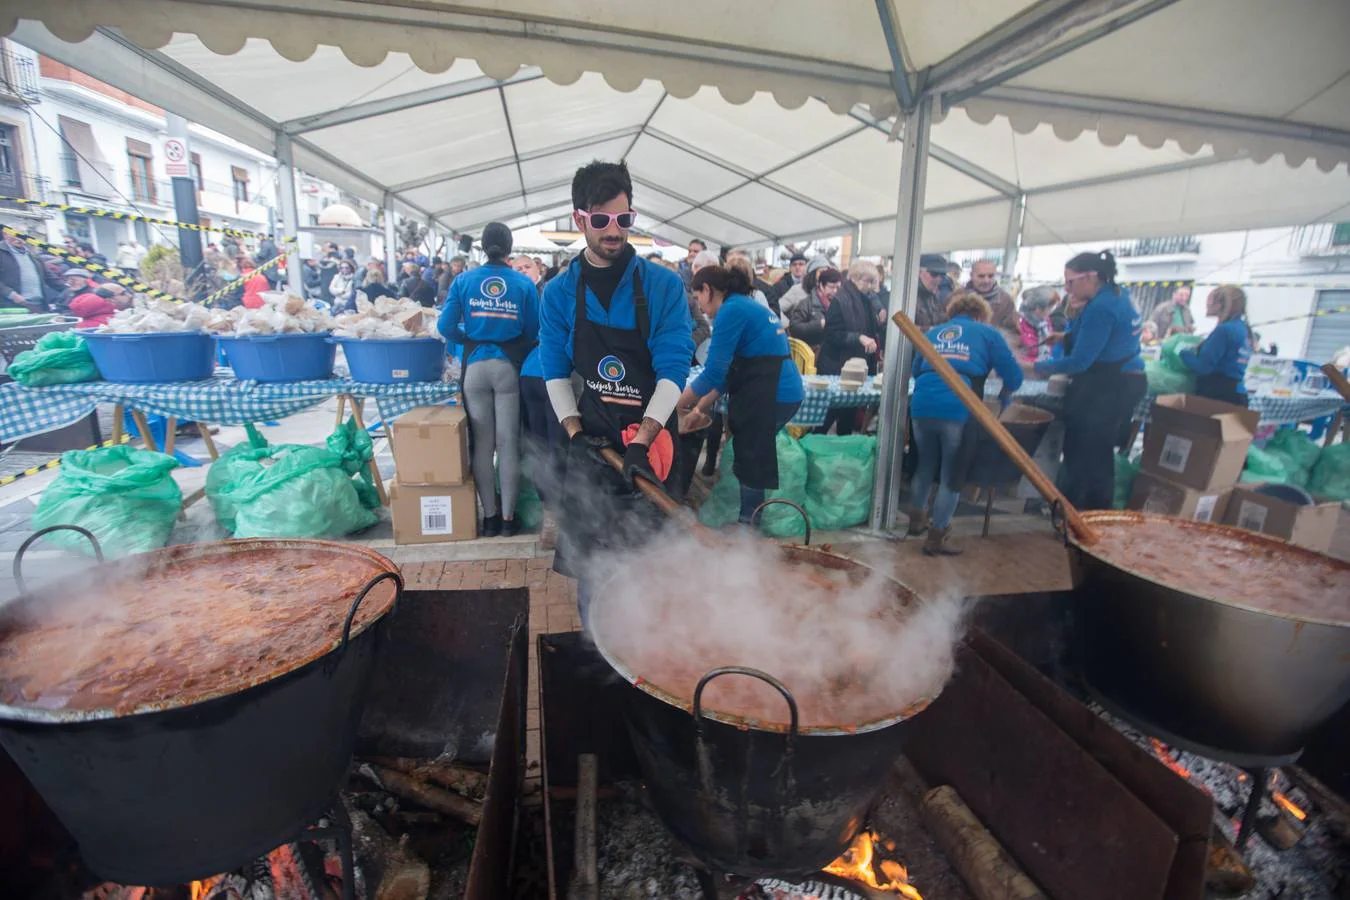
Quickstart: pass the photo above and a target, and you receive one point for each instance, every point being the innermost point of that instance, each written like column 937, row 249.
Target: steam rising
column 850, row 645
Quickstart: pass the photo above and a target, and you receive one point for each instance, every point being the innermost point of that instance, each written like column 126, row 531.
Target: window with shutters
column 195, row 168
column 240, row 177
column 141, row 159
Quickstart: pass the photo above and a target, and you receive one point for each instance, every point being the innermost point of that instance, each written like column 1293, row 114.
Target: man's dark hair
column 699, row 241
column 599, row 182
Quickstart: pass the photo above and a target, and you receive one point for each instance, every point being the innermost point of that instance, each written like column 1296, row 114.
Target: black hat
column 933, row 262
column 797, row 257
column 496, row 239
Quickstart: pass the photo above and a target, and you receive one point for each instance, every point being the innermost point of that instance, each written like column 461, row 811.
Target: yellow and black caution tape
column 238, row 283
column 54, row 463
column 108, row 274
column 133, row 217
column 1244, row 284
column 1331, row 311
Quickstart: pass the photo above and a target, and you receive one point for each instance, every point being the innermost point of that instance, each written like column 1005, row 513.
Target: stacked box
column 432, row 499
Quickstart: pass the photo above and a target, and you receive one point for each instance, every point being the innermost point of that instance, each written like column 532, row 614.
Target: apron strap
column 640, row 316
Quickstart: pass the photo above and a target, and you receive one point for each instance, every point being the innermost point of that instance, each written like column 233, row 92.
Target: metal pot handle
column 1058, row 521
column 351, row 613
column 753, row 673
column 23, row 548
column 754, row 516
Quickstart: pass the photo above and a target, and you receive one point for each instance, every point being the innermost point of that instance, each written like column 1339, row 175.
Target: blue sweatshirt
column 671, row 339
column 973, row 349
column 1107, row 330
column 1224, row 352
column 532, row 368
column 743, row 328
column 501, row 304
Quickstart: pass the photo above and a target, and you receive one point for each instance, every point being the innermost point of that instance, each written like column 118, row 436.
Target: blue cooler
column 280, row 357
column 157, row 357
column 398, row 361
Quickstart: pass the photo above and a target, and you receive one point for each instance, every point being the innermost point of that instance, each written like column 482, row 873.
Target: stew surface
column 177, row 633
column 1229, row 567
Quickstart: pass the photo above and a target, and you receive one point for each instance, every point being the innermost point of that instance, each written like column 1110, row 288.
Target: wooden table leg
column 170, row 434
column 205, row 431
column 118, row 414
column 374, row 467
column 342, row 401
column 1334, row 429
column 144, row 428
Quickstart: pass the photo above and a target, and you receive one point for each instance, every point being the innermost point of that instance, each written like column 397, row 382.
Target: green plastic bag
column 60, row 357
column 124, row 495
column 724, row 503
column 1125, row 471
column 1172, row 347
column 294, row 490
column 840, row 473
column 1263, row 466
column 1297, row 450
column 1331, row 476
column 1162, row 380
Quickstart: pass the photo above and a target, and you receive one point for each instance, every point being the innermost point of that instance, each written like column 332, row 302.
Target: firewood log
column 391, row 870
column 446, row 774
column 423, row 794
column 987, row 869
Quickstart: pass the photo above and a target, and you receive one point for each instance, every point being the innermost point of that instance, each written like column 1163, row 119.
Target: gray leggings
column 492, row 395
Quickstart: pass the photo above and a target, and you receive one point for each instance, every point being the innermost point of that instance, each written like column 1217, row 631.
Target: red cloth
column 660, row 455
column 253, row 287
column 92, row 309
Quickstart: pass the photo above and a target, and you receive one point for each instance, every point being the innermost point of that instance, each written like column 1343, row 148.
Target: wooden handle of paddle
column 663, row 501
column 1338, row 381
column 995, row 428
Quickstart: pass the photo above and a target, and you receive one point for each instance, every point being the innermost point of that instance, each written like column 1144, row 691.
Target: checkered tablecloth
column 222, row 400
column 1274, row 410
column 817, row 402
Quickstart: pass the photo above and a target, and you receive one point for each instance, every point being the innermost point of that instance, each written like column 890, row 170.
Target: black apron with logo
column 752, row 412
column 598, row 511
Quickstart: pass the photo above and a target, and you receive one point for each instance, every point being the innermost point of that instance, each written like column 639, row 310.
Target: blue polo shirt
column 492, row 303
column 744, row 329
column 1225, row 352
column 973, row 349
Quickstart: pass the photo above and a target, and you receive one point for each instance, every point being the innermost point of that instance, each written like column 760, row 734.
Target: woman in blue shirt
column 1102, row 355
column 1220, row 362
column 748, row 358
column 494, row 312
column 940, row 418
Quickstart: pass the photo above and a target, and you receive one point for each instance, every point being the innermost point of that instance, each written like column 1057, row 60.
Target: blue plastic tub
column 280, row 357
column 154, row 358
column 394, row 361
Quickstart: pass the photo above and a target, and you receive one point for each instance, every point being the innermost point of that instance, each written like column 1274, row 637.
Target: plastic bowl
column 280, row 357
column 157, row 357
column 393, row 361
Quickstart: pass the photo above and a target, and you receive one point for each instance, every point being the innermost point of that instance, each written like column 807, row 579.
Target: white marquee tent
column 1038, row 120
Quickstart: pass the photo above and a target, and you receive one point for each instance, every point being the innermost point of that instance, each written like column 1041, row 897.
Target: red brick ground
column 553, row 608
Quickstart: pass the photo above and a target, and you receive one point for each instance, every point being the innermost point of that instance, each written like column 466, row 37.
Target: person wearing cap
column 96, row 305
column 791, row 278
column 931, row 310
column 494, row 312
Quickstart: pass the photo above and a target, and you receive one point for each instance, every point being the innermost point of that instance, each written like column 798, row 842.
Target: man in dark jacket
column 794, row 275
column 852, row 329
column 931, row 310
column 1002, row 310
column 24, row 281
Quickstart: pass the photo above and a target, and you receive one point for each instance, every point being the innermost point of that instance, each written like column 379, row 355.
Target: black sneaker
column 492, row 526
column 510, row 527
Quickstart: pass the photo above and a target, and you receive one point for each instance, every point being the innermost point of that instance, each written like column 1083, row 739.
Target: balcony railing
column 87, row 176
column 1160, row 246
column 1325, row 239
column 29, row 187
column 18, row 76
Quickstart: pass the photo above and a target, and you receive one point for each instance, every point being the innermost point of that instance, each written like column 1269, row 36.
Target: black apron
column 515, row 350
column 752, row 412
column 971, row 434
column 1104, row 397
column 1221, row 388
column 598, row 512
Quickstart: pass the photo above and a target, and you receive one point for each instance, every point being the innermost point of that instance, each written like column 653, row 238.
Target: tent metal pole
column 390, row 239
column 290, row 213
column 892, row 426
column 1013, row 243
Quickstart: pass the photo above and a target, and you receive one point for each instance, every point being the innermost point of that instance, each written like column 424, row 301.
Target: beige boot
column 918, row 522
column 939, row 543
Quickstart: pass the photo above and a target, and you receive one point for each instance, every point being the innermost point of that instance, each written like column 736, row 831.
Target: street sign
column 175, row 158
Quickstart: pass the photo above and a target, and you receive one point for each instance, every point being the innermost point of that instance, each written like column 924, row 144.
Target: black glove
column 588, row 445
column 636, row 462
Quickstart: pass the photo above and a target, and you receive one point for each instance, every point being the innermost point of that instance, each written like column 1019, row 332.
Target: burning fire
column 856, row 864
column 1166, row 758
column 1289, row 805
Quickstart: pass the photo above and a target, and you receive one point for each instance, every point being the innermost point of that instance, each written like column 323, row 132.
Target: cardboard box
column 433, row 513
column 431, row 445
column 1197, row 442
column 1307, row 526
column 1157, row 495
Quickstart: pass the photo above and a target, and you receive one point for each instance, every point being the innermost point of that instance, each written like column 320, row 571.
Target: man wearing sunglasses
column 622, row 325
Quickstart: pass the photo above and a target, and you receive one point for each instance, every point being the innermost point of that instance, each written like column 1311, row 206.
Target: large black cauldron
column 752, row 799
column 165, row 797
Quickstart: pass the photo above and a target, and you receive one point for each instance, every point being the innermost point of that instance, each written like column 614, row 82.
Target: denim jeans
column 751, row 498
column 938, row 442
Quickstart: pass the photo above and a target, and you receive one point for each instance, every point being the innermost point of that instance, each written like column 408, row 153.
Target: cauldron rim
column 813, row 554
column 166, row 556
column 1241, row 534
